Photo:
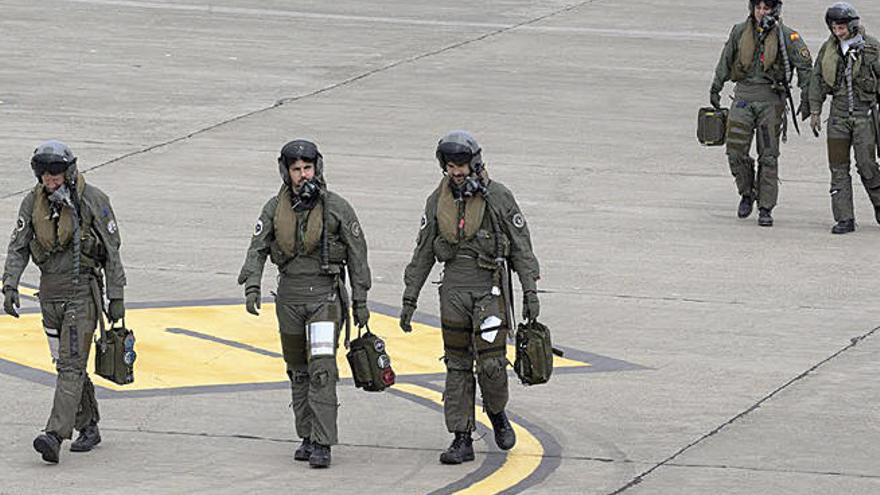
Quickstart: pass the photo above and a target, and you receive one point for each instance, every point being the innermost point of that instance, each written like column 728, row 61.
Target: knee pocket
column 70, row 374
column 298, row 375
column 739, row 132
column 321, row 377
column 872, row 182
column 768, row 162
column 458, row 364
column 493, row 369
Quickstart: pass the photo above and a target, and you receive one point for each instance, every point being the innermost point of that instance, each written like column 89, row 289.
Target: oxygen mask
column 471, row 186
column 853, row 45
column 307, row 194
column 767, row 22
column 58, row 199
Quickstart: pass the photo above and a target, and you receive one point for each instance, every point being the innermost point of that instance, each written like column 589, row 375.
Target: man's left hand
column 116, row 310
column 361, row 313
column 531, row 305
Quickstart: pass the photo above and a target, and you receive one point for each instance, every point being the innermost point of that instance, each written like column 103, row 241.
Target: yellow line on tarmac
column 27, row 291
column 521, row 462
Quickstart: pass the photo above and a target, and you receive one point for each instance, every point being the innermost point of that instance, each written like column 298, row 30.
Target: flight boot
column 505, row 438
column 745, row 207
column 88, row 438
column 844, row 227
column 461, row 450
column 304, row 452
column 320, row 457
column 49, row 445
column 764, row 217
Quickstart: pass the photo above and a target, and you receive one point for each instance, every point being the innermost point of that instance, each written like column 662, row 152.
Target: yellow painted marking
column 168, row 360
column 27, row 291
column 522, row 460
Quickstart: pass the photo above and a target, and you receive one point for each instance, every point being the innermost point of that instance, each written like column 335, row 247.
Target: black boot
column 88, row 438
column 505, row 438
column 320, row 457
column 745, row 207
column 461, row 450
column 49, row 445
column 764, row 217
column 844, row 227
column 877, row 213
column 304, row 451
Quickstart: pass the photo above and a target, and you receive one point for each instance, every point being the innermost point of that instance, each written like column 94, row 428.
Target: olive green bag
column 369, row 361
column 712, row 126
column 115, row 355
column 534, row 353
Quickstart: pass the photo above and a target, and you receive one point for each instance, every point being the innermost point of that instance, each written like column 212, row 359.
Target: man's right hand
column 816, row 124
column 406, row 314
column 252, row 302
column 11, row 301
column 715, row 99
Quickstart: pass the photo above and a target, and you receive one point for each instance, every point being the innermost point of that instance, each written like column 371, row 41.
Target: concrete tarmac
column 744, row 358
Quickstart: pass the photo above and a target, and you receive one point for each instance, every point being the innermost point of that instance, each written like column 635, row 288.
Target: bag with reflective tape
column 115, row 355
column 370, row 364
column 712, row 126
column 534, row 353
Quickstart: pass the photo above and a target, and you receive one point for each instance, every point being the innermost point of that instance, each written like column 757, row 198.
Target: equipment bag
column 115, row 355
column 370, row 364
column 712, row 126
column 534, row 353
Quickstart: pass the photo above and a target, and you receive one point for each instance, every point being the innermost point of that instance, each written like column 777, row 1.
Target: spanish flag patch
column 795, row 36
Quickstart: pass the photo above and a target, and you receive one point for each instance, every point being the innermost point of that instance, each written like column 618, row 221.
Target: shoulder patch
column 423, row 222
column 805, row 53
column 794, row 36
column 111, row 226
column 20, row 224
column 518, row 220
column 258, row 227
column 105, row 212
column 355, row 229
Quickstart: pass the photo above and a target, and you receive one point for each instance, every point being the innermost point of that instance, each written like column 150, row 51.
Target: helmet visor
column 49, row 164
column 461, row 158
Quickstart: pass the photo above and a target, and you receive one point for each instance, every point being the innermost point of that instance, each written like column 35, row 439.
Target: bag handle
column 99, row 305
column 368, row 332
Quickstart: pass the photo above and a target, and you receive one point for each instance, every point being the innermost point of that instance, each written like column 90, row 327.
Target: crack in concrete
column 325, row 89
column 692, row 300
column 668, row 461
column 778, row 470
column 608, row 460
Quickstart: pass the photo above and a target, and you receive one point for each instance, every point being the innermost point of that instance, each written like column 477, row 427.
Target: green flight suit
column 849, row 128
column 307, row 293
column 758, row 108
column 468, row 304
column 70, row 314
